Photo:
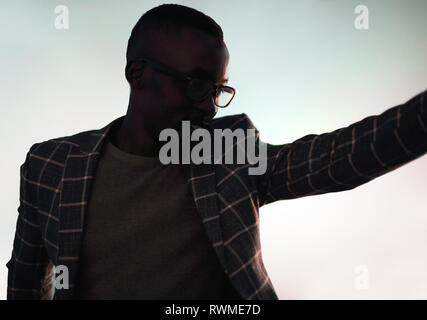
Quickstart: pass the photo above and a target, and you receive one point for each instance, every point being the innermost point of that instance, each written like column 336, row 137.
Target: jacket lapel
column 202, row 180
column 79, row 170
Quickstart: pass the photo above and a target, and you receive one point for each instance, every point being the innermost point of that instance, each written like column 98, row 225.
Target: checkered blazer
column 57, row 176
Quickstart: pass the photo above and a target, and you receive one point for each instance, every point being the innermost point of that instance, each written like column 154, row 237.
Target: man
column 126, row 226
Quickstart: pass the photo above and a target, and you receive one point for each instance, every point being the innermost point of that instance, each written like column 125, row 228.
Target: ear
column 134, row 74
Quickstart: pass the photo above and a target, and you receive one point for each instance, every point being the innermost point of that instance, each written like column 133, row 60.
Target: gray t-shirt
column 143, row 238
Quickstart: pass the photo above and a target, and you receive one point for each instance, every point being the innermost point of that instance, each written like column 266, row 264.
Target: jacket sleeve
column 29, row 259
column 347, row 157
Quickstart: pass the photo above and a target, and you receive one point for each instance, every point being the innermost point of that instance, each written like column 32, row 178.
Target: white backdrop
column 300, row 67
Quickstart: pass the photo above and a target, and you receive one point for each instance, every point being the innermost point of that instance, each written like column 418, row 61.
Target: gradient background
column 300, row 67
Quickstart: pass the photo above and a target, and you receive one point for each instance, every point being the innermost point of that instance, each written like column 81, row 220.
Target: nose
column 206, row 109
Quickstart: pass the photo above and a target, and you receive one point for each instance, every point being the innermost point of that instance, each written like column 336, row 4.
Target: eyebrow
column 203, row 74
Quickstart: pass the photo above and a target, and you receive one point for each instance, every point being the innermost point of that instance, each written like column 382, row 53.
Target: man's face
column 161, row 98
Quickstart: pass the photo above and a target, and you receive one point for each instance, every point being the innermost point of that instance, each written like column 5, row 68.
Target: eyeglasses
column 197, row 89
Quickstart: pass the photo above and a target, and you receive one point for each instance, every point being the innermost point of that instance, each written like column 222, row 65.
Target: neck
column 132, row 136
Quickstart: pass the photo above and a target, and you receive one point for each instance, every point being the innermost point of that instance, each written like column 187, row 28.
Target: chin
column 173, row 125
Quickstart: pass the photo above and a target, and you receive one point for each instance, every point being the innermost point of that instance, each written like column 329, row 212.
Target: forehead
column 190, row 51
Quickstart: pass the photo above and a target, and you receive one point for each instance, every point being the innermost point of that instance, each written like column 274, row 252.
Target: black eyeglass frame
column 182, row 76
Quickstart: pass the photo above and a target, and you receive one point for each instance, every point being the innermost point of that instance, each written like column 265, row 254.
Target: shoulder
column 48, row 147
column 63, row 144
column 55, row 150
column 234, row 121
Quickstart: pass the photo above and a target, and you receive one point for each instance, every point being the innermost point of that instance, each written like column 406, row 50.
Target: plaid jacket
column 57, row 176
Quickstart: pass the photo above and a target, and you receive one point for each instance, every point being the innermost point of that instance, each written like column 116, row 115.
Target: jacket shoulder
column 234, row 121
column 48, row 147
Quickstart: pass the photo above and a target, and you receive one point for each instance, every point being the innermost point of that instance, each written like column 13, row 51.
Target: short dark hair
column 168, row 17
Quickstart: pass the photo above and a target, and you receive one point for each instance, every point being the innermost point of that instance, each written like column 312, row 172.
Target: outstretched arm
column 347, row 157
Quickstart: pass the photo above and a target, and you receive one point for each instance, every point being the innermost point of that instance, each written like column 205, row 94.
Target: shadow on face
column 160, row 99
